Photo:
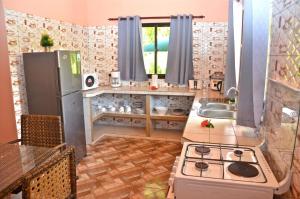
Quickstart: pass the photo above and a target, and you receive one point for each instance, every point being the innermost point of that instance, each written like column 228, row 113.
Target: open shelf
column 122, row 115
column 97, row 117
column 148, row 124
column 100, row 130
column 125, row 115
column 155, row 116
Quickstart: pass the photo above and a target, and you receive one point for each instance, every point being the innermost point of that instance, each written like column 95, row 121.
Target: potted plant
column 46, row 42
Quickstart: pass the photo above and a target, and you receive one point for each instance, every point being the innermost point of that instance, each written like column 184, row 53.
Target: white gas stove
column 211, row 171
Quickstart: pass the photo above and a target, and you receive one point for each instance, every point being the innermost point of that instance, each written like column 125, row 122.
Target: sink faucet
column 236, row 93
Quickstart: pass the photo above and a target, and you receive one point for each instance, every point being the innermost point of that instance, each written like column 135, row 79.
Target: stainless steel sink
column 218, row 114
column 217, row 106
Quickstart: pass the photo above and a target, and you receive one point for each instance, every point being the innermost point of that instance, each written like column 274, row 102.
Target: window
column 155, row 44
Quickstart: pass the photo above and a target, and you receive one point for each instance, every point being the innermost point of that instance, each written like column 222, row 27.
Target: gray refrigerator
column 53, row 86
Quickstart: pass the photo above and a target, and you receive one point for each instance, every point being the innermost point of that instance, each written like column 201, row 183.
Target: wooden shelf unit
column 149, row 116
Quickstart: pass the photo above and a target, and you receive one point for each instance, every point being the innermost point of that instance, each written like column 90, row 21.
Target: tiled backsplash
column 23, row 35
column 285, row 42
column 284, row 67
column 98, row 47
column 209, row 50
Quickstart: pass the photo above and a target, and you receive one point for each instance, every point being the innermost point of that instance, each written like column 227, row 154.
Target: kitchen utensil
column 121, row 109
column 161, row 110
column 178, row 112
column 111, row 108
column 128, row 109
column 139, row 111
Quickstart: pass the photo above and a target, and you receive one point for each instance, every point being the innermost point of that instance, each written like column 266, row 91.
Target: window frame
column 156, row 25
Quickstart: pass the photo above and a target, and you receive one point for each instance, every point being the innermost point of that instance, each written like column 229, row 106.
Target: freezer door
column 69, row 67
column 72, row 107
column 42, row 85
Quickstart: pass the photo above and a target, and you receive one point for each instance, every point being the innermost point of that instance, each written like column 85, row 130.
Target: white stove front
column 217, row 182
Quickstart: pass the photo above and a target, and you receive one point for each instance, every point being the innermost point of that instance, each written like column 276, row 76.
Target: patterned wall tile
column 209, row 46
column 23, row 35
column 99, row 48
column 285, row 42
column 284, row 66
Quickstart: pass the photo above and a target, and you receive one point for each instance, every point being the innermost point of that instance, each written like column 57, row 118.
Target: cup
column 199, row 84
column 127, row 109
column 112, row 109
column 191, row 84
column 121, row 109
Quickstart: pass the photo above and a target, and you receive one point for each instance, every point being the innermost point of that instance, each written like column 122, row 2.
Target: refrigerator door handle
column 59, row 106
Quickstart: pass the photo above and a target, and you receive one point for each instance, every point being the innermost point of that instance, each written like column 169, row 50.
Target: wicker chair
column 41, row 130
column 55, row 178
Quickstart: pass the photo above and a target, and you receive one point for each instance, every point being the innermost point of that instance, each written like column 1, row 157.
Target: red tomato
column 204, row 123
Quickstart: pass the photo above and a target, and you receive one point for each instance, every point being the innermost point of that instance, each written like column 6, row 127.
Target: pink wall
column 73, row 11
column 98, row 11
column 7, row 115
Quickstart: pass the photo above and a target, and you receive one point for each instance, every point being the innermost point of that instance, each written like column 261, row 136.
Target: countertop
column 225, row 131
column 139, row 90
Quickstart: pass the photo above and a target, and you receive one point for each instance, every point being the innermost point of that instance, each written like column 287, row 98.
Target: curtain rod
column 157, row 17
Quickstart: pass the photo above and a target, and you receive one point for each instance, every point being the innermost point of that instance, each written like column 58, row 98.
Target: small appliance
column 216, row 81
column 90, row 81
column 115, row 79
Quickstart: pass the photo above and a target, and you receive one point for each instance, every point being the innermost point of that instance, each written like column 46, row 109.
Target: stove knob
column 174, row 168
column 171, row 181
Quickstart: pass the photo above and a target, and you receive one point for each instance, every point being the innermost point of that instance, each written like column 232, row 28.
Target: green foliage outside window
column 160, row 54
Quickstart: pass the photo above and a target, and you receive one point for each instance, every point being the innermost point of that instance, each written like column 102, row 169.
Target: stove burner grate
column 203, row 150
column 238, row 153
column 243, row 169
column 202, row 166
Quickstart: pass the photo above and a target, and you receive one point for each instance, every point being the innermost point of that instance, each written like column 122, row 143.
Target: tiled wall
column 209, row 52
column 285, row 43
column 23, row 35
column 284, row 67
column 98, row 46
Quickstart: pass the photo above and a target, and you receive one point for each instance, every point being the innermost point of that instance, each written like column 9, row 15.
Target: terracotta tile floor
column 118, row 167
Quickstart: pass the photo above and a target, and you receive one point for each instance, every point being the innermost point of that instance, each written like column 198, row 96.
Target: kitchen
column 157, row 131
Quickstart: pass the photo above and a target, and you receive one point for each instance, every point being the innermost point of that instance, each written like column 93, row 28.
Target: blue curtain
column 130, row 51
column 253, row 62
column 230, row 76
column 180, row 52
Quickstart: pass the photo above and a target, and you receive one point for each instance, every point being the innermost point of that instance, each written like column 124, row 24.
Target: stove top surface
column 222, row 162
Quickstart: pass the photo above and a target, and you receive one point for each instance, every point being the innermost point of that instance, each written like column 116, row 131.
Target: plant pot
column 47, row 49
